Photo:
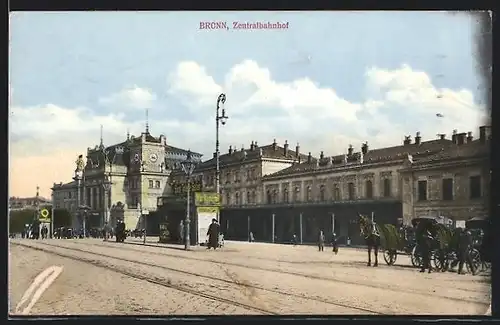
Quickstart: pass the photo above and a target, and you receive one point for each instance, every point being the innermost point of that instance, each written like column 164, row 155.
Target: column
column 300, row 226
column 273, row 225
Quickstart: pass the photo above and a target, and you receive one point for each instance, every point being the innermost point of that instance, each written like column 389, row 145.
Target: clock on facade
column 153, row 157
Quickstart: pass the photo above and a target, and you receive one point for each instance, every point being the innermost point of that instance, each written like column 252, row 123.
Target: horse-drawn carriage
column 392, row 240
column 477, row 227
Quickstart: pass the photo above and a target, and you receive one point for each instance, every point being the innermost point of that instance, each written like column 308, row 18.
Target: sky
column 328, row 80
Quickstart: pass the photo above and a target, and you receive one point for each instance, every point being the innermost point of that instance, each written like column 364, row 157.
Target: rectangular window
column 422, row 190
column 151, row 183
column 387, row 187
column 369, row 189
column 158, row 184
column 475, row 187
column 447, row 189
column 350, row 191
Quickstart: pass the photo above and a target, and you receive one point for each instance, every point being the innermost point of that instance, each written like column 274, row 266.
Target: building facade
column 453, row 183
column 275, row 193
column 137, row 169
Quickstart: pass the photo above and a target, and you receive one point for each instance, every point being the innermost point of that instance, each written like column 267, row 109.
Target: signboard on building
column 44, row 216
column 205, row 216
column 206, row 199
column 179, row 188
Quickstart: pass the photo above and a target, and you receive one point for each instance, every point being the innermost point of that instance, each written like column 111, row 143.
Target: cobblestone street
column 108, row 278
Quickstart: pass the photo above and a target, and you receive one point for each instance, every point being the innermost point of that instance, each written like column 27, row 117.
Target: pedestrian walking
column 334, row 244
column 295, row 240
column 464, row 249
column 321, row 241
column 425, row 246
column 213, row 235
column 181, row 232
column 252, row 239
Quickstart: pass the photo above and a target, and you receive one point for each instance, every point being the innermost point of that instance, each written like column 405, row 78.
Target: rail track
column 177, row 287
column 308, row 276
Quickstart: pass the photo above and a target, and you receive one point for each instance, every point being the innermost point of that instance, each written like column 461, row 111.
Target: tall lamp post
column 84, row 209
column 106, row 186
column 222, row 118
column 188, row 168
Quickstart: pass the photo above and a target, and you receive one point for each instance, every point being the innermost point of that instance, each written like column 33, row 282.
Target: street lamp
column 109, row 155
column 106, row 186
column 83, row 209
column 188, row 168
column 222, row 118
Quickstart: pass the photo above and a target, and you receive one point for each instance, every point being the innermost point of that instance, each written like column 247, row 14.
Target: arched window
column 249, row 198
column 296, row 192
column 336, row 193
column 237, row 197
column 228, row 198
column 285, row 195
column 322, row 196
column 369, row 189
column 269, row 197
column 351, row 191
column 308, row 194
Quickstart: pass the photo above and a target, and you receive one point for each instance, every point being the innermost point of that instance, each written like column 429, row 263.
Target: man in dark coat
column 213, row 235
column 464, row 248
column 425, row 238
column 334, row 244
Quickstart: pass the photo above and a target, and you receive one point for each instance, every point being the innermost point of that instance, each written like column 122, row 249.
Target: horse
column 371, row 234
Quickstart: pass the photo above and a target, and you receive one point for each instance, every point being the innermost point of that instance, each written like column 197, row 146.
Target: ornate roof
column 272, row 151
column 97, row 158
column 373, row 156
column 473, row 149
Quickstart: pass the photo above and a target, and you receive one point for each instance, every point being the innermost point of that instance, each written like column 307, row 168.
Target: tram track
column 233, row 281
column 308, row 276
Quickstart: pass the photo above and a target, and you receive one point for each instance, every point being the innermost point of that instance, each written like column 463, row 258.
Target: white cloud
column 396, row 103
column 130, row 98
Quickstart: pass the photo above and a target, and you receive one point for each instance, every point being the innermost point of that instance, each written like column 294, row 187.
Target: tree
column 62, row 218
column 19, row 218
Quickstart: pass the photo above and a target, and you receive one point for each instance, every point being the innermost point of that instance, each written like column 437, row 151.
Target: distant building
column 21, row 203
column 138, row 169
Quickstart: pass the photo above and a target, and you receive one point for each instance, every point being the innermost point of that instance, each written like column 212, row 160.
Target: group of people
column 34, row 231
column 426, row 239
column 322, row 240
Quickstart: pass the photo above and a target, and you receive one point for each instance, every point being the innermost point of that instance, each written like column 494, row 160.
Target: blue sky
column 330, row 79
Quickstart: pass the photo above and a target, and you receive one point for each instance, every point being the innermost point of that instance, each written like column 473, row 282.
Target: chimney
column 407, row 140
column 297, row 150
column 442, row 136
column 321, row 155
column 469, row 137
column 274, row 144
column 309, row 158
column 364, row 148
column 461, row 138
column 230, row 149
column 418, row 139
column 454, row 136
column 255, row 146
column 251, row 146
column 285, row 146
column 350, row 150
column 484, row 133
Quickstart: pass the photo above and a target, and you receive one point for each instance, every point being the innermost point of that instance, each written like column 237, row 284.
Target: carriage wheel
column 439, row 261
column 416, row 259
column 476, row 260
column 390, row 256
